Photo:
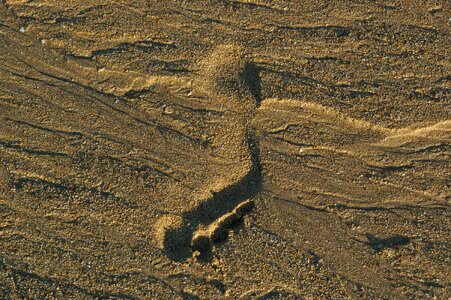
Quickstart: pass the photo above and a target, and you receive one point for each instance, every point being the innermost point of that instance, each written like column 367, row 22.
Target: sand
column 225, row 149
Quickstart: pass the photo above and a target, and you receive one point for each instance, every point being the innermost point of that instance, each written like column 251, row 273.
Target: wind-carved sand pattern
column 342, row 161
column 232, row 81
column 5, row 182
column 128, row 151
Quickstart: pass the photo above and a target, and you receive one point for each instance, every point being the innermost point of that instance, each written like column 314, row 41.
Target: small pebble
column 168, row 110
column 22, row 29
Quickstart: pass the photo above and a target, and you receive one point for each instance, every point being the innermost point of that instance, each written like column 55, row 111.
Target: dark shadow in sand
column 178, row 242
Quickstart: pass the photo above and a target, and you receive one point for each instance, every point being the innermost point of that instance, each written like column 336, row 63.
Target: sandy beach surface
column 225, row 149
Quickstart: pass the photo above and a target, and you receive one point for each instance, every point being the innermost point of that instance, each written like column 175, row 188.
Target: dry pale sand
column 220, row 149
